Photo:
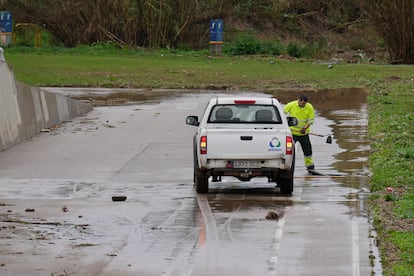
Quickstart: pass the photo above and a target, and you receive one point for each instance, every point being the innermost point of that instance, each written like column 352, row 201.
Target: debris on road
column 271, row 215
column 108, row 125
column 119, row 198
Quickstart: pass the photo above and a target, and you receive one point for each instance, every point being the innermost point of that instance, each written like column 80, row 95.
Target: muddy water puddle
column 346, row 112
column 343, row 115
column 121, row 96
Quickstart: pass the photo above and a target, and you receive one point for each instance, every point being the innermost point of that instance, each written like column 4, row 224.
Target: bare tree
column 147, row 23
column 394, row 21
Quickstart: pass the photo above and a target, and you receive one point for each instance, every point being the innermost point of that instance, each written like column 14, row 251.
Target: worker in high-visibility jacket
column 304, row 112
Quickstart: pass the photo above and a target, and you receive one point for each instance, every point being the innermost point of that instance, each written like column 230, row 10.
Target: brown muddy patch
column 326, row 99
column 117, row 98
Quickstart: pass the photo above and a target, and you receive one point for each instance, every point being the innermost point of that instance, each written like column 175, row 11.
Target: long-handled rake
column 328, row 139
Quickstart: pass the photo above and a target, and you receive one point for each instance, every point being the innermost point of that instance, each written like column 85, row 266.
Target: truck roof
column 245, row 100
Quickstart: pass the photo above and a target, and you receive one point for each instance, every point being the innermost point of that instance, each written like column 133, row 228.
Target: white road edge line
column 355, row 248
column 278, row 236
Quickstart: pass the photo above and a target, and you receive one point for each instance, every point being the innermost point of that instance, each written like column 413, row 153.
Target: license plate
column 246, row 164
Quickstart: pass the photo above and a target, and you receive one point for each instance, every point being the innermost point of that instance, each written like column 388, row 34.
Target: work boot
column 310, row 168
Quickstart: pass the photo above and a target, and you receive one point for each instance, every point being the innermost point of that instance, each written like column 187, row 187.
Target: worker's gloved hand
column 303, row 130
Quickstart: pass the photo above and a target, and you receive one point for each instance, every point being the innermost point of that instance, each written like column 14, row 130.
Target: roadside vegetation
column 391, row 102
column 328, row 26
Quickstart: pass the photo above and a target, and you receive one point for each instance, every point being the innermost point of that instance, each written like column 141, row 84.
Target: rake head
column 329, row 140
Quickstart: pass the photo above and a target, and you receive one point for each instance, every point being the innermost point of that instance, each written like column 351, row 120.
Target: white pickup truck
column 244, row 138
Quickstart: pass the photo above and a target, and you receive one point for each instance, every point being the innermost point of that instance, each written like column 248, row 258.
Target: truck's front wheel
column 201, row 182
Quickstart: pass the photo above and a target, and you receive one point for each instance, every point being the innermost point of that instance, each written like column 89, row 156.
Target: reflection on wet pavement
column 165, row 228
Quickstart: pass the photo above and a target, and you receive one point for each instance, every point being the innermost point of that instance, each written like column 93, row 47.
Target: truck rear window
column 245, row 113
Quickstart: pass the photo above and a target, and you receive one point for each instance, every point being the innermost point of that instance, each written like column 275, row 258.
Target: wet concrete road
column 57, row 216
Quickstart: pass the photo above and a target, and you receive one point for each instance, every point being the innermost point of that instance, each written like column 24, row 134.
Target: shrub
column 306, row 50
column 272, row 48
column 294, row 50
column 245, row 45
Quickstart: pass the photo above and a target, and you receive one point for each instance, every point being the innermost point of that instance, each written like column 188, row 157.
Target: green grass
column 126, row 68
column 391, row 105
column 404, row 242
column 391, row 130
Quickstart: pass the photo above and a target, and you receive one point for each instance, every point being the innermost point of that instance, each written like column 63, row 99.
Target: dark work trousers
column 306, row 145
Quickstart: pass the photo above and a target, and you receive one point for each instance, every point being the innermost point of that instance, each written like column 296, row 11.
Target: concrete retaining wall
column 25, row 110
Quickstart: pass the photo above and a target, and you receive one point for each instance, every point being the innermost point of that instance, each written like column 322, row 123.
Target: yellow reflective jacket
column 305, row 115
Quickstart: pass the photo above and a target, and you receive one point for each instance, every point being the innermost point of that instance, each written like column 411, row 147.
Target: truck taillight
column 203, row 145
column 289, row 145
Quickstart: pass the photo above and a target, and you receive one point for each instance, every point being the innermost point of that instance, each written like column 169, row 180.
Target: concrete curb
column 26, row 110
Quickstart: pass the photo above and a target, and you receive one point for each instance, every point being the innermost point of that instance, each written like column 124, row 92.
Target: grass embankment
column 391, row 104
column 391, row 128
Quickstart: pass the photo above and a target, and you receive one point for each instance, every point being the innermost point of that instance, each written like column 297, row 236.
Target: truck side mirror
column 192, row 121
column 292, row 121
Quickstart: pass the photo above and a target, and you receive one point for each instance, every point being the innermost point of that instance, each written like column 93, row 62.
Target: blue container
column 216, row 30
column 6, row 22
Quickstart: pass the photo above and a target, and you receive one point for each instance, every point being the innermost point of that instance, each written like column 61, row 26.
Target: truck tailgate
column 249, row 143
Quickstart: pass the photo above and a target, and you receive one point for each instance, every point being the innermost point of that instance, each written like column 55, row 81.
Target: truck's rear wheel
column 200, row 177
column 285, row 179
column 286, row 185
column 201, row 182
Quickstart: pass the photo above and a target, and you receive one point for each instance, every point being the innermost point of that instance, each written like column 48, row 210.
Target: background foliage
column 185, row 23
column 341, row 24
column 394, row 21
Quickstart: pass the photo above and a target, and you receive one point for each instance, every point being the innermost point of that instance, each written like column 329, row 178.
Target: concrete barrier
column 26, row 110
